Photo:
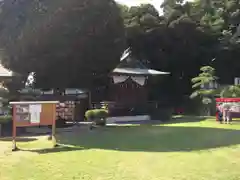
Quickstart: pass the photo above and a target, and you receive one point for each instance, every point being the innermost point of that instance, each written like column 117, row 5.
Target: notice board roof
column 34, row 102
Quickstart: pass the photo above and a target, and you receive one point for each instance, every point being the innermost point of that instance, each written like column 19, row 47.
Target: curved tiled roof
column 130, row 65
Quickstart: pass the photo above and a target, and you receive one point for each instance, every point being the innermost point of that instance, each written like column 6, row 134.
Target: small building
column 129, row 80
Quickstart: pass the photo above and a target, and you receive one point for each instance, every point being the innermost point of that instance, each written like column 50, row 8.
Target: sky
column 156, row 3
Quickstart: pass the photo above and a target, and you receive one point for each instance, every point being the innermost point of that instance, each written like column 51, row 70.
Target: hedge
column 5, row 119
column 96, row 114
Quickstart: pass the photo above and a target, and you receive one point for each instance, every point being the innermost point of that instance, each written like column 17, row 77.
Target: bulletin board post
column 14, row 130
column 27, row 114
column 54, row 125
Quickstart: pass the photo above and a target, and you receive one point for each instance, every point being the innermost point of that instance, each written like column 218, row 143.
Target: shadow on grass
column 19, row 139
column 152, row 138
column 186, row 119
column 60, row 148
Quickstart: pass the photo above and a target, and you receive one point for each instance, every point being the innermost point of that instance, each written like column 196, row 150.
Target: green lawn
column 201, row 150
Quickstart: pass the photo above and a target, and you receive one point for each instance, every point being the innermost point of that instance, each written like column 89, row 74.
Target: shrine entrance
column 129, row 91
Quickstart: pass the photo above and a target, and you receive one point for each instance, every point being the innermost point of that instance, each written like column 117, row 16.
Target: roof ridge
column 129, row 61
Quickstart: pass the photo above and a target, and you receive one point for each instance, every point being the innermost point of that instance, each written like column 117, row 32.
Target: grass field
column 199, row 150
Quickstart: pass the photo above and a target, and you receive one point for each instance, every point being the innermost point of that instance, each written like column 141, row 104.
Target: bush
column 96, row 113
column 101, row 113
column 89, row 115
column 5, row 119
column 97, row 116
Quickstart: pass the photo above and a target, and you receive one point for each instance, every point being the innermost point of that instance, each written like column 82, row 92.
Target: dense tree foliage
column 75, row 44
column 67, row 43
column 187, row 36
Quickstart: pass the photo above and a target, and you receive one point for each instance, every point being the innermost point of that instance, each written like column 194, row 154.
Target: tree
column 232, row 91
column 222, row 19
column 205, row 77
column 172, row 42
column 186, row 37
column 66, row 43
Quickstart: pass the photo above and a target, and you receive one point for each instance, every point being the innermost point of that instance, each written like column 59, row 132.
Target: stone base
column 121, row 119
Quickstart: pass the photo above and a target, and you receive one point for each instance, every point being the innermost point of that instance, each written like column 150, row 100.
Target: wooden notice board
column 35, row 113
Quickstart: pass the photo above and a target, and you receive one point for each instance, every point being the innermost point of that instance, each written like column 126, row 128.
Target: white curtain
column 119, row 79
column 139, row 80
column 237, row 81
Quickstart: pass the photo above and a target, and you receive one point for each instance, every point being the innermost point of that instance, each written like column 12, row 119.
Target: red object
column 227, row 99
column 224, row 100
column 179, row 110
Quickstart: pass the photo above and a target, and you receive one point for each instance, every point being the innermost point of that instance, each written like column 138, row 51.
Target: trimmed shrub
column 6, row 125
column 97, row 116
column 90, row 115
column 101, row 113
column 5, row 119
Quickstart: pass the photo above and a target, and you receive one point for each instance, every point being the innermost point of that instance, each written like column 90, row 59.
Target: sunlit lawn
column 201, row 150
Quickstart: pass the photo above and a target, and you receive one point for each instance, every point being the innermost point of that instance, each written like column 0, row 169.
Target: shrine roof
column 138, row 71
column 131, row 65
column 5, row 72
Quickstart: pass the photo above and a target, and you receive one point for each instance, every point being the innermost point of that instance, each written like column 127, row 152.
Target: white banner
column 119, row 79
column 236, row 81
column 35, row 111
column 140, row 80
